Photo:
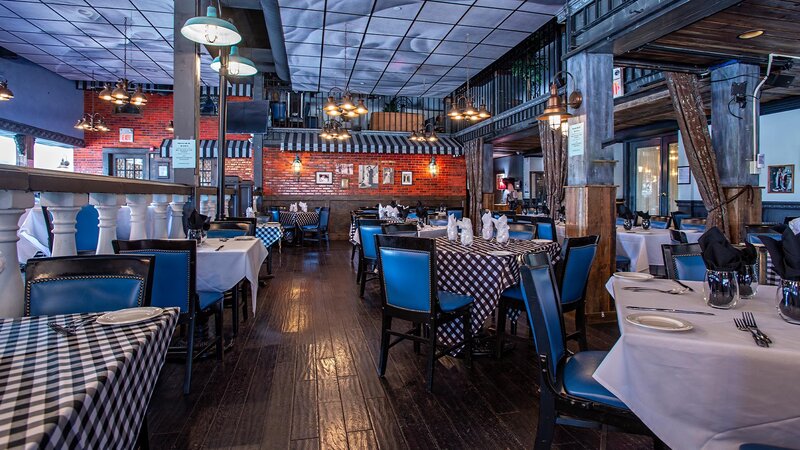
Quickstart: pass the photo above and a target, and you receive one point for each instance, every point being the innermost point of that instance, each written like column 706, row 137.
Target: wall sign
column 126, row 134
column 684, row 175
column 617, row 87
column 575, row 141
column 184, row 153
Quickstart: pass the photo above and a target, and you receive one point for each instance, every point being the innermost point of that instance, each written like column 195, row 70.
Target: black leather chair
column 546, row 228
column 407, row 273
column 678, row 237
column 87, row 284
column 232, row 227
column 684, row 262
column 399, row 229
column 319, row 230
column 174, row 285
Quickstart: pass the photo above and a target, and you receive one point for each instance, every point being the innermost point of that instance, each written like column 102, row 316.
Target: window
column 207, row 171
column 8, row 151
column 129, row 167
column 48, row 156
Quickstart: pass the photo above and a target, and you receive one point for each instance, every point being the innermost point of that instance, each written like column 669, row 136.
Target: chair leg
column 363, row 282
column 269, row 259
column 468, row 337
column 187, row 376
column 353, row 252
column 235, row 298
column 384, row 357
column 432, row 357
column 580, row 327
column 502, row 315
column 143, row 439
column 218, row 330
column 245, row 295
column 360, row 269
column 547, row 421
column 417, row 332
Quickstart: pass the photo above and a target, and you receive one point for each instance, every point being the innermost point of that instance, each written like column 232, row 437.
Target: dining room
column 399, row 224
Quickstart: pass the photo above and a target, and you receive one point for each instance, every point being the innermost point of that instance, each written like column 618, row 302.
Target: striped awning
column 208, row 149
column 369, row 143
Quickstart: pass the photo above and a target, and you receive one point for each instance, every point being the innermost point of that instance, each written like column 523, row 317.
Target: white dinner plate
column 244, row 238
column 500, row 253
column 644, row 232
column 659, row 322
column 634, row 276
column 129, row 315
column 542, row 241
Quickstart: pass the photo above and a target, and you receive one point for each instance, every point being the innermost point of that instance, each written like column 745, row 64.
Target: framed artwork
column 163, row 170
column 406, row 178
column 684, row 175
column 324, row 177
column 781, row 179
column 368, row 176
column 126, row 134
column 501, row 185
column 388, row 175
column 345, row 183
column 344, row 169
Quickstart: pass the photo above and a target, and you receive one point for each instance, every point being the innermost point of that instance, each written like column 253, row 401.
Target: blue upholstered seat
column 450, row 301
column 546, row 229
column 319, row 230
column 692, row 226
column 208, row 298
column 411, row 215
column 620, row 221
column 438, row 222
column 521, row 235
column 275, row 215
column 86, row 229
column 514, row 292
column 623, row 263
column 578, row 381
column 368, row 255
column 659, row 224
column 690, row 267
column 225, row 233
column 457, row 212
column 755, row 238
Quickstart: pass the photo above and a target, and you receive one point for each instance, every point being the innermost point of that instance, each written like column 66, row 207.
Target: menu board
column 575, row 141
column 184, row 153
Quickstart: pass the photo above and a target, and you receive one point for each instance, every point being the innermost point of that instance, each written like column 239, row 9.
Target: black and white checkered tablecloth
column 355, row 240
column 269, row 234
column 85, row 391
column 299, row 218
column 473, row 271
column 772, row 277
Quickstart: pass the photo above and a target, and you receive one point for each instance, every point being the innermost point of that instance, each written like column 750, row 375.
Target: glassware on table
column 645, row 224
column 748, row 280
column 788, row 296
column 627, row 224
column 721, row 289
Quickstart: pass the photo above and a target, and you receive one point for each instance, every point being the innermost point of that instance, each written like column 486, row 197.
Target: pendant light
column 211, row 30
column 92, row 121
column 120, row 95
column 347, row 107
column 5, row 92
column 238, row 66
column 468, row 112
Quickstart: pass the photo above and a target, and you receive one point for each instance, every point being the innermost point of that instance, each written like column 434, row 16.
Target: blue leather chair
column 754, row 232
column 620, row 221
column 87, row 284
column 623, row 263
column 232, row 227
column 407, row 272
column 677, row 218
column 684, row 262
column 569, row 395
column 399, row 229
column 521, row 231
column 458, row 212
column 546, row 229
column 693, row 223
column 367, row 253
column 755, row 238
column 87, row 231
column 319, row 230
column 174, row 285
column 678, row 237
column 660, row 222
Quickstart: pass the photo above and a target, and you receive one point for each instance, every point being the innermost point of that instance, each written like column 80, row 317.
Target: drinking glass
column 197, row 235
column 721, row 289
column 748, row 280
column 788, row 296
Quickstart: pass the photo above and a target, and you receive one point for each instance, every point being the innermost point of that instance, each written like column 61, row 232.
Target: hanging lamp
column 5, row 92
column 211, row 30
column 238, row 65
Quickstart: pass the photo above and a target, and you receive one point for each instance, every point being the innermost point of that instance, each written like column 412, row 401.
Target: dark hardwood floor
column 302, row 375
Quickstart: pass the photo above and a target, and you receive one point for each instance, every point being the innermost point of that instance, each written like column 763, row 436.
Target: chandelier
column 91, row 121
column 120, row 95
column 5, row 92
column 468, row 111
column 423, row 135
column 333, row 129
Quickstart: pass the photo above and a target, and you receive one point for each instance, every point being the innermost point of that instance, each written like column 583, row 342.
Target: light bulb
column 555, row 121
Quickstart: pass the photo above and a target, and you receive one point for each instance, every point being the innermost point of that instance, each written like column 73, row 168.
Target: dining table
column 427, row 231
column 223, row 262
column 643, row 247
column 483, row 271
column 298, row 218
column 710, row 386
column 88, row 390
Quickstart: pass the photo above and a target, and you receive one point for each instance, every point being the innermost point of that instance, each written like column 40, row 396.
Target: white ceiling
column 74, row 38
column 402, row 47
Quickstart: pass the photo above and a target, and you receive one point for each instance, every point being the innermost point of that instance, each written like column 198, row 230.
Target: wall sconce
column 297, row 166
column 5, row 92
column 555, row 112
column 432, row 167
column 171, row 126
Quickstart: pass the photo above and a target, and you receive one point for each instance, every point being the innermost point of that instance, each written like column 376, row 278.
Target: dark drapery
column 554, row 157
column 473, row 154
column 693, row 124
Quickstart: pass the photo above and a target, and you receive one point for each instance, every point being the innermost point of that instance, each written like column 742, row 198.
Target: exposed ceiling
column 75, row 38
column 402, row 47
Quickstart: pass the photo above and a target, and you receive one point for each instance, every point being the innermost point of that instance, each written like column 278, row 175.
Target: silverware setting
column 218, row 248
column 663, row 291
column 756, row 337
column 689, row 288
column 750, row 320
column 70, row 328
column 669, row 310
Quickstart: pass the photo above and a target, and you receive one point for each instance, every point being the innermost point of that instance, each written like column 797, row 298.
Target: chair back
column 407, row 272
column 693, row 223
column 275, row 215
column 232, row 227
column 755, row 232
column 367, row 233
column 677, row 217
column 175, row 274
column 521, row 231
column 660, row 222
column 87, row 284
column 545, row 228
column 400, row 229
column 543, row 306
column 620, row 221
column 577, row 257
column 684, row 262
column 87, row 231
column 678, row 237
column 788, row 219
column 457, row 212
column 324, row 218
column 523, row 219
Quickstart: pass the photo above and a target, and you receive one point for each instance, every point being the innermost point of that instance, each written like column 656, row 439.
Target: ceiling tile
column 304, row 35
column 5, row 12
column 474, row 63
column 383, row 26
column 306, row 61
column 400, row 9
column 409, row 57
column 505, row 37
column 402, row 67
column 372, row 41
column 444, row 60
column 524, row 21
column 122, row 16
column 6, row 37
column 303, row 4
column 82, row 14
column 484, row 17
column 461, row 33
column 12, row 24
column 302, row 18
column 30, row 10
column 455, row 48
column 394, row 77
column 488, row 51
column 121, row 4
column 429, row 30
column 501, row 4
column 162, row 20
column 442, row 12
column 55, row 27
column 79, row 41
column 338, row 38
column 539, row 6
column 101, row 30
column 430, row 69
column 361, row 74
column 155, row 5
column 419, row 45
column 335, row 63
column 360, row 7
column 297, row 48
column 346, row 22
column 375, row 54
column 23, row 48
column 372, row 65
column 38, row 38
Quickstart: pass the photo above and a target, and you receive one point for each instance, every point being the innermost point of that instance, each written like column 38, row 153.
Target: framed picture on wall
column 781, row 179
column 684, row 175
column 324, row 177
column 344, row 169
column 388, row 175
column 368, row 176
column 406, row 178
column 163, row 170
column 345, row 183
column 501, row 185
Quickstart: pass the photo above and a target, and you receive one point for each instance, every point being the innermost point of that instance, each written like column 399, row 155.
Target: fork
column 750, row 320
column 742, row 327
column 69, row 328
column 663, row 291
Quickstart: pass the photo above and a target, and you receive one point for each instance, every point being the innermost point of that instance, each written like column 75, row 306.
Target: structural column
column 138, row 206
column 176, row 220
column 64, row 207
column 107, row 206
column 160, row 206
column 732, row 132
column 186, row 88
column 590, row 192
column 12, row 205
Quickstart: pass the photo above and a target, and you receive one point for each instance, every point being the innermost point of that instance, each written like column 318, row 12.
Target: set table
column 298, row 218
column 710, row 387
column 221, row 270
column 429, row 231
column 90, row 390
column 643, row 247
column 475, row 272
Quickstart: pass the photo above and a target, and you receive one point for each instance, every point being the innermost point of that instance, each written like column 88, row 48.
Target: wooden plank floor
column 302, row 376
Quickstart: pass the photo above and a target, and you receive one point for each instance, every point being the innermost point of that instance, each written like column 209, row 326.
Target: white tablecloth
column 710, row 387
column 218, row 271
column 430, row 231
column 643, row 247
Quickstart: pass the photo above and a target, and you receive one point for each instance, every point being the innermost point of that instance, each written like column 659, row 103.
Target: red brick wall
column 279, row 178
column 149, row 130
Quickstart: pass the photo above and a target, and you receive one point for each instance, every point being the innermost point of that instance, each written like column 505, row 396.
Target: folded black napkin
column 643, row 215
column 197, row 221
column 718, row 253
column 779, row 228
column 785, row 254
column 545, row 210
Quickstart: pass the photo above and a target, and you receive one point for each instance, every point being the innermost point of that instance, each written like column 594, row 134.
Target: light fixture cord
column 125, row 50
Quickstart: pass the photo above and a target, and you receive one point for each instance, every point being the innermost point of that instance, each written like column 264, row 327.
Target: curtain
column 693, row 124
column 473, row 154
column 554, row 153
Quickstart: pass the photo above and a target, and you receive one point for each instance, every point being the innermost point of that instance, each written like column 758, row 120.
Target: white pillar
column 64, row 207
column 107, row 206
column 12, row 205
column 138, row 205
column 176, row 221
column 160, row 206
column 204, row 203
column 212, row 205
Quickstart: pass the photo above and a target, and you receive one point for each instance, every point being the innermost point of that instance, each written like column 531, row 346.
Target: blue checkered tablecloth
column 269, row 234
column 298, row 218
column 89, row 390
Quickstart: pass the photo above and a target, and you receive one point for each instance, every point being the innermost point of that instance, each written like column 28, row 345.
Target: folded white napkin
column 452, row 228
column 502, row 229
column 381, row 212
column 392, row 213
column 303, row 207
column 488, row 228
column 293, row 207
column 466, row 231
column 249, row 212
column 794, row 225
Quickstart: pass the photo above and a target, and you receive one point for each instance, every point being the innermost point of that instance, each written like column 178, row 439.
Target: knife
column 684, row 286
column 670, row 310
